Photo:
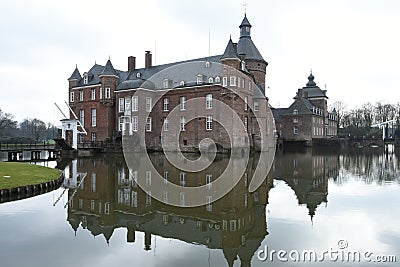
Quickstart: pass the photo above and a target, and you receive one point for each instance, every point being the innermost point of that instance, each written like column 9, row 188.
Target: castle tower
column 248, row 52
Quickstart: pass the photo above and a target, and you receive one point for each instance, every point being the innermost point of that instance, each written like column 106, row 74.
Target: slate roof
column 302, row 105
column 277, row 112
column 246, row 45
column 258, row 94
column 311, row 90
column 230, row 51
column 75, row 75
column 109, row 69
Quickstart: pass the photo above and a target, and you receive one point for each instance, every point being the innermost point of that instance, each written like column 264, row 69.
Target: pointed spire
column 245, row 27
column 75, row 75
column 109, row 69
column 230, row 50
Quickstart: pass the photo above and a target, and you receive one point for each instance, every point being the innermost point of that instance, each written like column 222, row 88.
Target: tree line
column 359, row 121
column 29, row 130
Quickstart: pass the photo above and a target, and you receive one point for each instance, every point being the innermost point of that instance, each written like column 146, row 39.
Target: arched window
column 138, row 75
column 208, row 64
column 182, row 83
column 217, row 79
column 295, row 112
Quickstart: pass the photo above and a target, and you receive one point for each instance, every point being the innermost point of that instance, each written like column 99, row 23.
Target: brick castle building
column 307, row 118
column 111, row 102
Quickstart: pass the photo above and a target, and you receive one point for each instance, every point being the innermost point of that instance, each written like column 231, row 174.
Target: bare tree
column 339, row 107
column 7, row 123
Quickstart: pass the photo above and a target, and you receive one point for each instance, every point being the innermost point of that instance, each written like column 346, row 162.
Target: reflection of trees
column 370, row 166
column 109, row 198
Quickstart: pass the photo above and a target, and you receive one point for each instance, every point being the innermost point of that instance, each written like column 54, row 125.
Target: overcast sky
column 352, row 46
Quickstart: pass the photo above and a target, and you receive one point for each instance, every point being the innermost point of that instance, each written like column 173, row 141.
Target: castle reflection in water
column 104, row 197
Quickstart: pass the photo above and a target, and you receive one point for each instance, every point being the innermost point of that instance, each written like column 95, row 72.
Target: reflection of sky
column 34, row 233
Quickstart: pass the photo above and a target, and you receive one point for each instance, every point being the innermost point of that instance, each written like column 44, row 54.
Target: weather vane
column 245, row 7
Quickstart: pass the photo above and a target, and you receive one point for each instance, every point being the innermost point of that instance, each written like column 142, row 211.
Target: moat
column 311, row 200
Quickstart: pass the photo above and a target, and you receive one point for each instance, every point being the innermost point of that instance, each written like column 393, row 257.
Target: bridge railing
column 7, row 146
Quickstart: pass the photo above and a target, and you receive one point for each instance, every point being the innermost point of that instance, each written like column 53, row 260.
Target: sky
column 351, row 46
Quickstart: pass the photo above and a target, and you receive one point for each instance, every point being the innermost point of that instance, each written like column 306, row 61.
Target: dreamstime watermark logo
column 194, row 99
column 339, row 254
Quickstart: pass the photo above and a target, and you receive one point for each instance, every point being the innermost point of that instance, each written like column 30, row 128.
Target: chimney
column 299, row 93
column 147, row 241
column 131, row 63
column 148, row 57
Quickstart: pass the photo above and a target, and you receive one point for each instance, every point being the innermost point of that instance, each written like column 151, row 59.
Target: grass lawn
column 14, row 174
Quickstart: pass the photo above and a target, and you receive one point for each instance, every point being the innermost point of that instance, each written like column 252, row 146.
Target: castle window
column 182, row 83
column 246, row 123
column 243, row 83
column 166, row 83
column 182, row 124
column 148, row 104
column 256, row 106
column 295, row 130
column 225, row 81
column 182, row 178
column 134, row 103
column 121, row 124
column 138, row 75
column 209, row 181
column 166, row 125
column 183, row 103
column 94, row 117
column 85, row 79
column 134, row 123
column 295, row 120
column 295, row 112
column 93, row 95
column 217, row 79
column 245, row 102
column 81, row 96
column 82, row 116
column 208, row 64
column 209, row 203
column 93, row 137
column 232, row 81
column 121, row 106
column 108, row 92
column 199, row 79
column 148, row 124
column 128, row 104
column 209, row 123
column 166, row 104
column 209, row 101
column 249, row 85
column 210, row 80
column 72, row 97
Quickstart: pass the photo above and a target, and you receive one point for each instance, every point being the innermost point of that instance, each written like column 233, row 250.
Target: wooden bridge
column 38, row 151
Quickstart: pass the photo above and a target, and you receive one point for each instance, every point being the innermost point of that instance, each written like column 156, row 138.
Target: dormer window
column 166, row 83
column 217, row 79
column 138, row 75
column 208, row 64
column 211, row 80
column 199, row 79
column 85, row 78
column 182, row 83
column 295, row 112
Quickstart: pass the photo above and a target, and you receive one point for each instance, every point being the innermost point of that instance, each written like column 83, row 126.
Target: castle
column 108, row 105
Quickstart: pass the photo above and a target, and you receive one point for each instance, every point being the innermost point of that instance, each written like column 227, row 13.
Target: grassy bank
column 14, row 174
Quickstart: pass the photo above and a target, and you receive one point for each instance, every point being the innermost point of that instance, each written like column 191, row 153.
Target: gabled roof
column 302, row 105
column 230, row 51
column 109, row 69
column 75, row 75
